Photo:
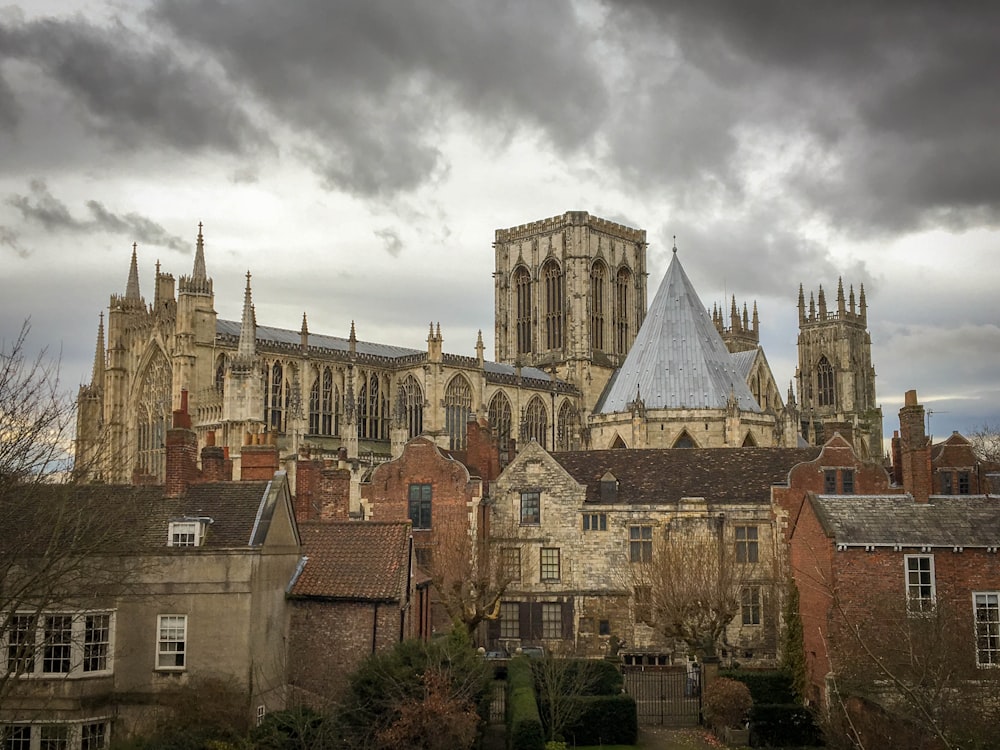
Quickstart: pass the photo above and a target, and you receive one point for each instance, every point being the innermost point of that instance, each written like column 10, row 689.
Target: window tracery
column 412, row 403
column 522, row 291
column 457, row 405
column 598, row 281
column 153, row 413
column 554, row 297
column 621, row 322
column 535, row 422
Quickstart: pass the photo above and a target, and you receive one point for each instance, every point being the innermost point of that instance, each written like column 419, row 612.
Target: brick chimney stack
column 259, row 461
column 213, row 461
column 182, row 452
column 915, row 450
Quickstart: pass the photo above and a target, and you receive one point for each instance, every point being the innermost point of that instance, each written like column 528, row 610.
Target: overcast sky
column 357, row 157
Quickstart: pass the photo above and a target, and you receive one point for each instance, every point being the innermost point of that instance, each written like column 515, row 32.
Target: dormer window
column 189, row 532
column 609, row 488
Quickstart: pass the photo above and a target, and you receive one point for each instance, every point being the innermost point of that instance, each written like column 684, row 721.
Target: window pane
column 510, row 620
column 551, row 621
column 172, row 640
column 96, row 640
column 530, row 507
column 550, row 563
column 58, row 643
column 21, row 644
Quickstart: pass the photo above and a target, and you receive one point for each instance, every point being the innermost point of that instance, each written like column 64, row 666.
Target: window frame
column 420, row 505
column 35, row 654
column 919, row 604
column 847, row 481
column 751, row 611
column 640, row 543
column 595, row 521
column 990, row 605
column 162, row 626
column 180, row 535
column 510, row 561
column 947, row 483
column 510, row 620
column 531, row 499
column 829, row 481
column 964, row 483
column 747, row 544
column 553, row 564
column 552, row 626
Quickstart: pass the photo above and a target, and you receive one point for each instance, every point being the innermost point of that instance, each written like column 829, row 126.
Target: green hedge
column 770, row 686
column 524, row 725
column 606, row 720
column 783, row 725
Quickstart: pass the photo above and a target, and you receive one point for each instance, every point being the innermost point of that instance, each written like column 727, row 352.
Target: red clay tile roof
column 667, row 475
column 355, row 560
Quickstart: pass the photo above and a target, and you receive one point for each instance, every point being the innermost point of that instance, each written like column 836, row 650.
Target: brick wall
column 258, row 462
column 329, row 640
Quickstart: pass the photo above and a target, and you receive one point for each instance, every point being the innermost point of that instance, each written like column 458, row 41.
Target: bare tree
column 689, row 587
column 986, row 443
column 59, row 541
column 561, row 682
column 472, row 569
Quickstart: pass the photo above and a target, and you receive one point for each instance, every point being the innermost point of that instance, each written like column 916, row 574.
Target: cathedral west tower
column 836, row 378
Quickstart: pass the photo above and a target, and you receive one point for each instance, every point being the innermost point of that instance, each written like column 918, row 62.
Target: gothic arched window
column 825, row 386
column 457, row 405
column 522, row 291
column 500, row 421
column 153, row 414
column 276, row 398
column 566, row 426
column 372, row 408
column 324, row 403
column 412, row 402
column 622, row 284
column 535, row 422
column 220, row 375
column 598, row 281
column 555, row 293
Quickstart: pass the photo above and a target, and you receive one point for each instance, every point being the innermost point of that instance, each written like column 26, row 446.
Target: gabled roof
column 678, row 358
column 890, row 520
column 136, row 519
column 354, row 561
column 666, row 475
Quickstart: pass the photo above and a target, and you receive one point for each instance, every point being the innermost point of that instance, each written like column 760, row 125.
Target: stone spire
column 480, row 348
column 97, row 376
column 353, row 341
column 247, row 348
column 863, row 305
column 304, row 335
column 132, row 285
column 756, row 320
column 822, row 303
column 198, row 274
column 841, row 304
column 198, row 282
column 802, row 305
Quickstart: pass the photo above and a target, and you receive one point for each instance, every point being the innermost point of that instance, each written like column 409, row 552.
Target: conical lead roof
column 678, row 358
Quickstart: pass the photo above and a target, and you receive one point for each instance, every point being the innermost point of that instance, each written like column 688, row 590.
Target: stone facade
column 575, row 589
column 570, row 302
column 835, row 376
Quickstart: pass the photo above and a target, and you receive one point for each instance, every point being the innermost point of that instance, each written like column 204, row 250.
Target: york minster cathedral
column 581, row 362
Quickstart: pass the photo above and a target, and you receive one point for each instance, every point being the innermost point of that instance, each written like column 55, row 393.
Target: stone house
column 196, row 601
column 587, row 517
column 354, row 595
column 908, row 573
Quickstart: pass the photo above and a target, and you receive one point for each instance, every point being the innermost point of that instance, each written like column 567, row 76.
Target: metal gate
column 664, row 697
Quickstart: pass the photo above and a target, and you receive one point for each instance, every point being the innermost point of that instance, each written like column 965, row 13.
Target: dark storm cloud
column 372, row 83
column 135, row 92
column 899, row 99
column 43, row 208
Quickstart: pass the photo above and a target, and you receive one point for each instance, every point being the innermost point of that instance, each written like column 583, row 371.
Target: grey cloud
column 135, row 94
column 43, row 208
column 898, row 99
column 133, row 225
column 371, row 83
column 10, row 238
column 390, row 240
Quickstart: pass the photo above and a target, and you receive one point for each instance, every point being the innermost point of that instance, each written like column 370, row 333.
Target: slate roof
column 678, row 358
column 136, row 519
column 667, row 475
column 354, row 561
column 287, row 339
column 891, row 520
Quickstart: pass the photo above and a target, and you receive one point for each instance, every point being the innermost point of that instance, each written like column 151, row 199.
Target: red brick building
column 899, row 585
column 354, row 595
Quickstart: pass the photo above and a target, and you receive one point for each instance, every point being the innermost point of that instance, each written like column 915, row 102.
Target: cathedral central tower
column 570, row 296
